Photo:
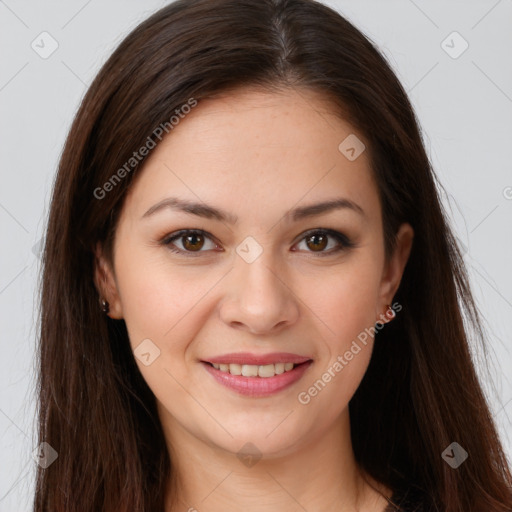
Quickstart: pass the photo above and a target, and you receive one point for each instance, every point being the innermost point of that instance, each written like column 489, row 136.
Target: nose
column 260, row 298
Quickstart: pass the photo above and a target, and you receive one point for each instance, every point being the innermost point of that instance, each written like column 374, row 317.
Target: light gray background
column 464, row 105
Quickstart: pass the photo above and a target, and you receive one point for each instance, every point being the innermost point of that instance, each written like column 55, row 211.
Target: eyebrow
column 210, row 212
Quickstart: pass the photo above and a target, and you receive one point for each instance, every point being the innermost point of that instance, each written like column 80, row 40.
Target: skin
column 256, row 155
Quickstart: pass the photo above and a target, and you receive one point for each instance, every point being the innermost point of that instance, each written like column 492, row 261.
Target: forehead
column 256, row 152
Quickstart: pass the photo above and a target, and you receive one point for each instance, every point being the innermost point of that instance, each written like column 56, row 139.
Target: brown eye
column 189, row 242
column 193, row 242
column 317, row 242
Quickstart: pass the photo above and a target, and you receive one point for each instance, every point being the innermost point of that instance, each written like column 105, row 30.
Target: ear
column 393, row 271
column 105, row 282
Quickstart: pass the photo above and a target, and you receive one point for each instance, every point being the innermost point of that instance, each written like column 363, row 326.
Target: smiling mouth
column 255, row 371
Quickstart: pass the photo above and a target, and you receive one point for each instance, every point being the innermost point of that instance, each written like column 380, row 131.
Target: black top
column 407, row 500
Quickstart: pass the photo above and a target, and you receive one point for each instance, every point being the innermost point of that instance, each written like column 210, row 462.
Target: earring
column 105, row 306
column 390, row 312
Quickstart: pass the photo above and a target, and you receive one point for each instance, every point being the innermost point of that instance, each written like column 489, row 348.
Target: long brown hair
column 421, row 388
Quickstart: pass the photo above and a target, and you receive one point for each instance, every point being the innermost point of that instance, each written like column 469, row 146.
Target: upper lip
column 258, row 360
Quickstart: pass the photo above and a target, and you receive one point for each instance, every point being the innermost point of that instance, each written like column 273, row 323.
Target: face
column 260, row 273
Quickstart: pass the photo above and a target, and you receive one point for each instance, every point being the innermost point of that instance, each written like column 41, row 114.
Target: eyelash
column 343, row 240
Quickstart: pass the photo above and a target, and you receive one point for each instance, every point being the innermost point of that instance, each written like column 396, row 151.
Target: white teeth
column 234, row 369
column 279, row 368
column 267, row 370
column 251, row 370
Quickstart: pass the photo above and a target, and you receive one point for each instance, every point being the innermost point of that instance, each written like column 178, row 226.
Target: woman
column 251, row 296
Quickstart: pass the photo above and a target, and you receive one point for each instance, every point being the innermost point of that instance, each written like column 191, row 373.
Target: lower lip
column 258, row 386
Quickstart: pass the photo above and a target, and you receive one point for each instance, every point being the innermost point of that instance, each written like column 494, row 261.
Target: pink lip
column 259, row 360
column 258, row 386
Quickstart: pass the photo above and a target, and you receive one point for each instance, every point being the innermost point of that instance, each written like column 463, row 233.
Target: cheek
column 328, row 391
column 344, row 301
column 161, row 311
column 167, row 305
column 156, row 295
column 150, row 304
column 343, row 308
